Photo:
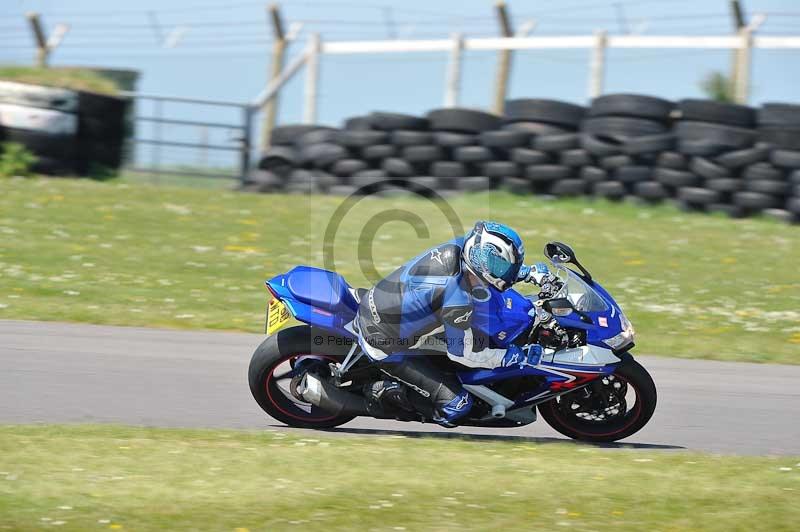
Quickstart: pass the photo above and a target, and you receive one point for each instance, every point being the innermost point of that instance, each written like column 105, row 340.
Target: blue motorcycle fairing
column 502, row 317
column 317, row 297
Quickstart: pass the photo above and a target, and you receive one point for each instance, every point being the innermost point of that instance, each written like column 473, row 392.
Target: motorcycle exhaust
column 330, row 398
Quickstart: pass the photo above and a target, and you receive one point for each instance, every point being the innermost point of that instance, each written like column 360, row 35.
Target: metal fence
column 155, row 133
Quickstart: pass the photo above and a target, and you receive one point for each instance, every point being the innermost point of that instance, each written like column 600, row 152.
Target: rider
column 433, row 295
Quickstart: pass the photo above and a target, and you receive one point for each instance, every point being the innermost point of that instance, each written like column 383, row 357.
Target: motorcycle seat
column 319, row 288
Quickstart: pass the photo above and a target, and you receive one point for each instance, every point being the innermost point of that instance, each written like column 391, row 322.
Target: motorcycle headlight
column 623, row 338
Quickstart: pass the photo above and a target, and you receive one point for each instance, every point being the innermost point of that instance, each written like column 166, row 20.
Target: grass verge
column 67, row 78
column 694, row 286
column 107, row 477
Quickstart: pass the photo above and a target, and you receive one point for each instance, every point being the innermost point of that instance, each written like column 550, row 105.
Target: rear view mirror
column 559, row 252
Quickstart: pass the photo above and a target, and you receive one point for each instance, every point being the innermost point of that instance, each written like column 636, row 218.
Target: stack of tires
column 704, row 155
column 69, row 131
column 625, row 134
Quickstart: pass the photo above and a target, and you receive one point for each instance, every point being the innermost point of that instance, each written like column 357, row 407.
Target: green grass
column 68, row 78
column 694, row 286
column 100, row 478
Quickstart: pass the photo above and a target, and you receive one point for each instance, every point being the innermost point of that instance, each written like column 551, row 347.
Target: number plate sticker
column 278, row 315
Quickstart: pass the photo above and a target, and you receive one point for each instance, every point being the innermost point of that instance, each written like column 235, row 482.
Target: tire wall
column 70, row 132
column 701, row 154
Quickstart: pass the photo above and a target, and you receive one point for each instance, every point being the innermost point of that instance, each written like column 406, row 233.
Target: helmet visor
column 500, row 268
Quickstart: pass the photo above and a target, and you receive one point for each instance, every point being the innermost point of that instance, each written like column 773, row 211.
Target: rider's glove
column 539, row 274
column 518, row 356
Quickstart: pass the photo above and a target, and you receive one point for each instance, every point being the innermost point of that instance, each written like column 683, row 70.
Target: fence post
column 503, row 61
column 247, row 142
column 743, row 58
column 453, row 82
column 312, row 80
column 42, row 51
column 598, row 64
column 278, row 54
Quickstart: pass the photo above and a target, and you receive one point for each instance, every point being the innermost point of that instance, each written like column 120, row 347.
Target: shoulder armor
column 459, row 317
column 441, row 261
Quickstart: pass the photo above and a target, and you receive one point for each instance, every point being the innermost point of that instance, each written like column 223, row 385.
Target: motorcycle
column 586, row 384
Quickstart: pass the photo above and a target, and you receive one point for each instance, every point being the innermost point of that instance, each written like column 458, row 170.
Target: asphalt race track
column 65, row 373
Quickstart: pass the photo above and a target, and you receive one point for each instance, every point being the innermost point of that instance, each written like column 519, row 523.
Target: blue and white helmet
column 494, row 252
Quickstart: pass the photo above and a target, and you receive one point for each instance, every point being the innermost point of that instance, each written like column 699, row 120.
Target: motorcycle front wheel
column 609, row 409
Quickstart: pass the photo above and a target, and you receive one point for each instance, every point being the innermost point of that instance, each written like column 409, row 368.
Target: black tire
column 698, row 196
column 396, row 167
column 551, row 143
column 650, row 190
column 649, row 144
column 516, row 185
column 675, row 178
column 600, row 145
column 448, row 169
column 378, row 152
column 755, row 201
column 526, row 156
column 368, row 179
column 537, row 128
column 593, row 174
column 707, row 169
column 631, row 422
column 279, row 159
column 325, row 180
column 780, row 215
column 717, row 112
column 785, row 158
column 779, row 114
column 725, row 185
column 673, row 160
column 794, row 178
column 701, row 148
column 391, row 121
column 356, row 138
column 264, row 180
column 317, row 136
column 322, row 155
column 423, row 184
column 762, row 171
column 462, row 120
column 547, row 172
column 472, row 154
column 503, row 138
column 612, row 190
column 405, row 137
column 451, row 139
column 502, row 169
column 473, row 184
column 423, row 154
column 631, row 105
column 289, row 134
column 633, row 174
column 622, row 128
column 786, row 137
column 728, row 136
column 733, row 160
column 357, row 123
column 793, row 205
column 569, row 188
column 768, row 186
column 616, row 161
column 547, row 111
column 348, row 167
column 274, row 353
column 575, row 157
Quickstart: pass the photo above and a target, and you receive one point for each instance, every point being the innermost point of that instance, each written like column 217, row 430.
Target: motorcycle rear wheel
column 558, row 412
column 272, row 368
